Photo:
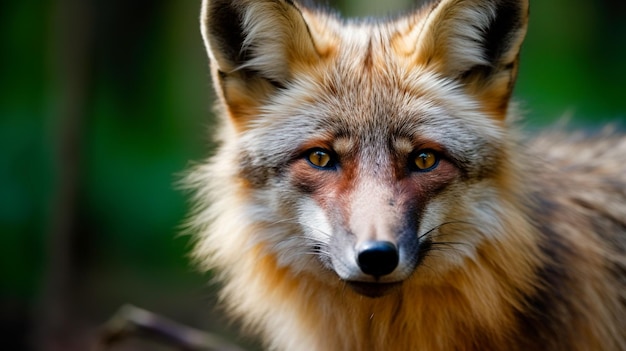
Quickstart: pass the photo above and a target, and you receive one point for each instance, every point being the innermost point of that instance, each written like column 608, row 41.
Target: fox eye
column 424, row 161
column 320, row 159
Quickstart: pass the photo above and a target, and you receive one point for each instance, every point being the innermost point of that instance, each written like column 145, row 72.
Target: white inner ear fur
column 460, row 29
column 277, row 38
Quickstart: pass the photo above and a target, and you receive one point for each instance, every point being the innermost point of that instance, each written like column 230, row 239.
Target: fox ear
column 254, row 48
column 477, row 42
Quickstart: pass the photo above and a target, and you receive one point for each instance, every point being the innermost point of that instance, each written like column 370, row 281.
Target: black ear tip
column 224, row 27
column 510, row 18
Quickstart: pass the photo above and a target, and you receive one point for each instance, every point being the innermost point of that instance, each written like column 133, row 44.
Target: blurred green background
column 105, row 103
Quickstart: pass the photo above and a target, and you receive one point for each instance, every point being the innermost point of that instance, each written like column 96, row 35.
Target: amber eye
column 321, row 159
column 425, row 160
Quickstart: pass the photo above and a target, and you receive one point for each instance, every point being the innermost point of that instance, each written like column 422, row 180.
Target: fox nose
column 377, row 258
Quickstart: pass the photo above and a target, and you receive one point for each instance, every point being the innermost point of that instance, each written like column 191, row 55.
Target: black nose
column 377, row 258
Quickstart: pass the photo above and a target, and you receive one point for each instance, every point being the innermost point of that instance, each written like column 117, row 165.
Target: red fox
column 371, row 190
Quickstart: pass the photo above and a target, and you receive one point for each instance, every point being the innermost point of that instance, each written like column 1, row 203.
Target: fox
column 372, row 187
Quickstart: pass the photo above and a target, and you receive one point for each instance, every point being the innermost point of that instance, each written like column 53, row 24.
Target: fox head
column 365, row 149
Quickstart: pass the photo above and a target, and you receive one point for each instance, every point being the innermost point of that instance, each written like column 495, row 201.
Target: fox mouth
column 373, row 290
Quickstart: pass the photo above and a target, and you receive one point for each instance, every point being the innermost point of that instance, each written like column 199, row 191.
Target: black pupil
column 319, row 157
column 424, row 157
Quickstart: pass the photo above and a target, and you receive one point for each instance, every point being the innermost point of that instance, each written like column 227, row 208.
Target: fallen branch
column 130, row 321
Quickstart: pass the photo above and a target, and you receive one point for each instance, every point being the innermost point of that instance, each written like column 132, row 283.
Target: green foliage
column 572, row 62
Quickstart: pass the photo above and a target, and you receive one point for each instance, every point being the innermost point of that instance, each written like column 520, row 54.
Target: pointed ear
column 254, row 47
column 476, row 42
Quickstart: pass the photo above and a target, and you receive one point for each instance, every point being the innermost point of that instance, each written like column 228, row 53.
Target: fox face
column 367, row 180
column 372, row 152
